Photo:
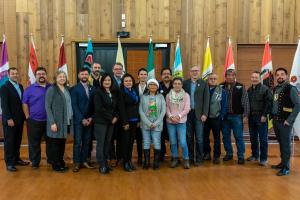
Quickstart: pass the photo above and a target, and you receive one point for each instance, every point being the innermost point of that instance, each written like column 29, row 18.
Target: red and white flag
column 33, row 63
column 62, row 60
column 229, row 60
column 267, row 67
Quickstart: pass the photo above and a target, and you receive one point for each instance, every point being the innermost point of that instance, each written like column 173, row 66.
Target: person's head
column 13, row 74
column 281, row 75
column 230, row 76
column 177, row 84
column 194, row 72
column 152, row 85
column 106, row 82
column 118, row 70
column 83, row 75
column 96, row 68
column 255, row 78
column 60, row 78
column 142, row 75
column 40, row 75
column 127, row 81
column 212, row 80
column 166, row 74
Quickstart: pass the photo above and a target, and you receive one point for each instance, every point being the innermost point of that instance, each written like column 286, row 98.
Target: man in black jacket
column 13, row 119
column 260, row 99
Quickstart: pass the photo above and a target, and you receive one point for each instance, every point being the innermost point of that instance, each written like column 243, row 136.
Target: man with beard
column 164, row 88
column 81, row 95
column 286, row 106
column 12, row 119
column 35, row 113
column 94, row 78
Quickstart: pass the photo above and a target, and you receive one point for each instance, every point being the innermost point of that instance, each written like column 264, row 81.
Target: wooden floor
column 225, row 181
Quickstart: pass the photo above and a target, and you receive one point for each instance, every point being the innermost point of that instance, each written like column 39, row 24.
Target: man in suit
column 199, row 96
column 80, row 95
column 13, row 119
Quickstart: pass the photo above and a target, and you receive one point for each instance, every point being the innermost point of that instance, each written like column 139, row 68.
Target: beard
column 42, row 80
column 280, row 81
column 96, row 73
column 84, row 80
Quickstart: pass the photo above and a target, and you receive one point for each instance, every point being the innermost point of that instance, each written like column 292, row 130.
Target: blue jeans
column 82, row 138
column 154, row 135
column 195, row 129
column 178, row 131
column 234, row 123
column 258, row 130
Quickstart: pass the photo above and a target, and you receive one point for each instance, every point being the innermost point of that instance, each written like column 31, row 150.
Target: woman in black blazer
column 130, row 107
column 105, row 116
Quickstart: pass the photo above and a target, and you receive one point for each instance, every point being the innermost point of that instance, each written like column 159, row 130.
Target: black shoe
column 156, row 159
column 241, row 161
column 127, row 167
column 146, row 164
column 11, row 168
column 207, row 157
column 174, row 162
column 140, row 160
column 35, row 166
column 103, row 170
column 278, row 166
column 283, row 172
column 216, row 161
column 132, row 166
column 22, row 162
column 198, row 163
column 59, row 169
column 227, row 158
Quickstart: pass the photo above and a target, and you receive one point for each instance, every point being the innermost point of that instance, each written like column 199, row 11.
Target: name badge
column 287, row 109
column 276, row 97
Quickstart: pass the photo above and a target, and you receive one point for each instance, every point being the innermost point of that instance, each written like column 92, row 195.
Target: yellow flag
column 207, row 64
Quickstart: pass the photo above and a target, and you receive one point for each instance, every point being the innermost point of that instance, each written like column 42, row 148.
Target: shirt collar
column 13, row 82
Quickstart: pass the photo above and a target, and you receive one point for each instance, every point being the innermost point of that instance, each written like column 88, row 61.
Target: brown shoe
column 76, row 168
column 88, row 166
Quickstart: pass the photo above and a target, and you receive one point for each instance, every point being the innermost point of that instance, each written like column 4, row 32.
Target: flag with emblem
column 229, row 60
column 4, row 66
column 88, row 61
column 120, row 57
column 150, row 63
column 62, row 60
column 295, row 81
column 177, row 67
column 207, row 63
column 33, row 63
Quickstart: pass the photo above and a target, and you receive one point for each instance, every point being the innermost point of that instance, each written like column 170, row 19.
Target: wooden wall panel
column 247, row 21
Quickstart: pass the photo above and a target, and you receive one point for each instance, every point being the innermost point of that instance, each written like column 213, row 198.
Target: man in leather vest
column 286, row 106
column 260, row 99
column 217, row 111
column 238, row 109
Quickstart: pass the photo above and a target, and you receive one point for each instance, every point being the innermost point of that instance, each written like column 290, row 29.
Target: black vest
column 285, row 105
column 236, row 99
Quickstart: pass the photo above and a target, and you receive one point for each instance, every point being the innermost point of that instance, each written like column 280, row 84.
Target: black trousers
column 56, row 152
column 213, row 124
column 12, row 143
column 163, row 138
column 116, row 147
column 127, row 142
column 36, row 131
column 139, row 142
column 284, row 135
column 103, row 134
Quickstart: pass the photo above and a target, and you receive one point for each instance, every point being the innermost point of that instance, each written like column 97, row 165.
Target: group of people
column 116, row 111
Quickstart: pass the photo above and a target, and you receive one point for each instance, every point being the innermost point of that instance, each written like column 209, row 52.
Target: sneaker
column 252, row 159
column 216, row 161
column 186, row 164
column 241, row 161
column 263, row 163
column 283, row 172
column 278, row 166
column 174, row 163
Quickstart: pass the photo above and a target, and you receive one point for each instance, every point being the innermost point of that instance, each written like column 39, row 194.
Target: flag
column 229, row 60
column 33, row 63
column 62, row 60
column 177, row 67
column 295, row 81
column 120, row 57
column 207, row 63
column 150, row 63
column 266, row 73
column 4, row 66
column 88, row 61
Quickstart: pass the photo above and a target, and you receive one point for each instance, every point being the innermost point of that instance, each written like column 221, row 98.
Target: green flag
column 150, row 64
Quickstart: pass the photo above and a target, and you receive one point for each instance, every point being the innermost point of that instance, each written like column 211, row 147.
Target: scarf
column 132, row 94
column 176, row 98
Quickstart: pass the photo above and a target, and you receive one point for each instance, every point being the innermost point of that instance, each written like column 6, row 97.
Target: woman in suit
column 130, row 99
column 59, row 119
column 105, row 116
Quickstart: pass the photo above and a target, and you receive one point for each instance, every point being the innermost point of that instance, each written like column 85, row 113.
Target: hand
column 53, row 128
column 89, row 120
column 138, row 125
column 126, row 127
column 114, row 120
column 286, row 123
column 203, row 118
column 176, row 119
column 10, row 123
column 152, row 126
column 84, row 122
column 263, row 119
column 245, row 119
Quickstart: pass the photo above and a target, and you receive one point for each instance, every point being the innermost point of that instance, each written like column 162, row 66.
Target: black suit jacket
column 201, row 96
column 11, row 103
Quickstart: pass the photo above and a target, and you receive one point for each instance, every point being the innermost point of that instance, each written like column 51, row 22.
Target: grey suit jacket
column 201, row 96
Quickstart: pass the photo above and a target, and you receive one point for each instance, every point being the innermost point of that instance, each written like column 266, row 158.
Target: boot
column 146, row 164
column 156, row 159
column 174, row 162
column 127, row 167
column 186, row 164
